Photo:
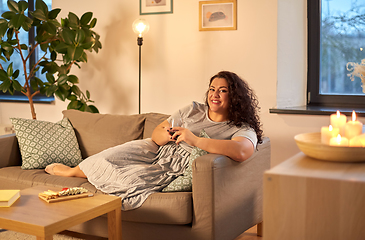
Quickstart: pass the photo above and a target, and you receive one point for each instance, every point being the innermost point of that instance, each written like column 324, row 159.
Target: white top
column 195, row 118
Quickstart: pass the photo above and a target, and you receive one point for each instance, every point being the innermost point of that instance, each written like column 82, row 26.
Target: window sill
column 22, row 98
column 318, row 110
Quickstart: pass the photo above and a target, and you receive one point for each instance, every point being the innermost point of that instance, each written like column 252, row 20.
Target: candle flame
column 330, row 128
column 353, row 116
column 338, row 114
column 339, row 138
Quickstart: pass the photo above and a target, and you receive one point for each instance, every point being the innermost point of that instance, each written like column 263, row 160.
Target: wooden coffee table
column 31, row 215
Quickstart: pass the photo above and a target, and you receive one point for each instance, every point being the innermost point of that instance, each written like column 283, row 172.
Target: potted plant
column 64, row 44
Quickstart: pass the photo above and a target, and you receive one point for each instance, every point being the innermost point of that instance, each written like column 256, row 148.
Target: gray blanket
column 135, row 170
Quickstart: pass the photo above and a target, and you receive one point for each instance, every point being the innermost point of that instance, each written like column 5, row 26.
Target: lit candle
column 353, row 128
column 327, row 133
column 339, row 141
column 358, row 141
column 338, row 120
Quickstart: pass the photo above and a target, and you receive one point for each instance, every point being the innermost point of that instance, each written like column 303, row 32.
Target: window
column 24, row 38
column 336, row 36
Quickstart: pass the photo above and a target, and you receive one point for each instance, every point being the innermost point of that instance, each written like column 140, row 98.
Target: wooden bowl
column 310, row 144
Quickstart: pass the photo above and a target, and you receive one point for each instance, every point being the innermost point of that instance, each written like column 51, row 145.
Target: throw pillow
column 42, row 143
column 184, row 182
column 96, row 132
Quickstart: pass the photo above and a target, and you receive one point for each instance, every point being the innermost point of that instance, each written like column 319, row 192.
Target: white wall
column 178, row 60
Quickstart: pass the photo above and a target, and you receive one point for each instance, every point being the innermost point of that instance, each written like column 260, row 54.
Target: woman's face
column 218, row 96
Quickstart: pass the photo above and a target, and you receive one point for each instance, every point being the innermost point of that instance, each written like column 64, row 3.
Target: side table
column 31, row 215
column 305, row 198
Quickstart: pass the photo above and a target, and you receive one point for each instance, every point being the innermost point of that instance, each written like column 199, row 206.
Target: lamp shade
column 141, row 27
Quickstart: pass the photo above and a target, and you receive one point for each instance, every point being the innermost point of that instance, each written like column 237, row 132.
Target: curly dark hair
column 243, row 102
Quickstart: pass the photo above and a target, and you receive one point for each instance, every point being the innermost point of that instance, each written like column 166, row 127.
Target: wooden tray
column 64, row 198
column 310, row 144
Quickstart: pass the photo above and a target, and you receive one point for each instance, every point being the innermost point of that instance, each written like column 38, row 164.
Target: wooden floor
column 250, row 234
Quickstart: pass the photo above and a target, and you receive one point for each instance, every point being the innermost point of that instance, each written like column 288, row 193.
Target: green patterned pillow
column 184, row 182
column 42, row 143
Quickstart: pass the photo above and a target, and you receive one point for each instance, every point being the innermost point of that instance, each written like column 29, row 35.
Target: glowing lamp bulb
column 140, row 26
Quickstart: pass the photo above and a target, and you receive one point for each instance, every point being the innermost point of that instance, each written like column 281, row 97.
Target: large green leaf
column 39, row 14
column 70, row 54
column 73, row 19
column 8, row 15
column 93, row 109
column 75, row 89
column 61, row 48
column 17, row 21
column 93, row 23
column 40, row 5
column 51, row 90
column 17, row 86
column 23, row 46
column 78, row 53
column 10, row 70
column 85, row 18
column 62, row 79
column 80, row 36
column 27, row 24
column 3, row 28
column 34, row 84
column 54, row 13
column 3, row 75
column 74, row 105
column 73, row 79
column 5, row 85
column 15, row 74
column 53, row 56
column 50, row 28
column 68, row 36
column 83, row 58
column 23, row 5
column 13, row 6
column 50, row 78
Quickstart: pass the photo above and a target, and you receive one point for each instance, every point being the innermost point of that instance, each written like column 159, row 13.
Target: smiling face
column 218, row 100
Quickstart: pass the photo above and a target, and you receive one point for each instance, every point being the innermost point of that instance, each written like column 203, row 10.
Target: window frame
column 314, row 98
column 18, row 96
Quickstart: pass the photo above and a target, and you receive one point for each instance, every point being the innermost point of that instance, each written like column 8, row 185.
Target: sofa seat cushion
column 163, row 208
column 15, row 177
column 97, row 132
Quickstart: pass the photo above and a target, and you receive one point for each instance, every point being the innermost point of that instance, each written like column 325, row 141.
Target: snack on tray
column 49, row 194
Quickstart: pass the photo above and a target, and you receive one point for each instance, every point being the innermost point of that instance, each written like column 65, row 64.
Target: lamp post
column 140, row 26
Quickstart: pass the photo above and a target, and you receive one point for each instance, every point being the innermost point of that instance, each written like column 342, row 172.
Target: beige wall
column 178, row 60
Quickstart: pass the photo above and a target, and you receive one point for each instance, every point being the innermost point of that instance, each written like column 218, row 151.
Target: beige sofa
column 225, row 201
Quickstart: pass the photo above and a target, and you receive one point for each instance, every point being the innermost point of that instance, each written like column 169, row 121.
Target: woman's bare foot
column 56, row 169
column 65, row 171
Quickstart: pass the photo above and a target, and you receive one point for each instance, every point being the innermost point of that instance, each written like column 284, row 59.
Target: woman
column 138, row 168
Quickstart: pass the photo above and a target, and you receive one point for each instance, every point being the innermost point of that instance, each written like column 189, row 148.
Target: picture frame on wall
column 218, row 15
column 155, row 7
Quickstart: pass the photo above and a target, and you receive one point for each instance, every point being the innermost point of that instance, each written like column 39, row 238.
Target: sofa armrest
column 227, row 195
column 9, row 151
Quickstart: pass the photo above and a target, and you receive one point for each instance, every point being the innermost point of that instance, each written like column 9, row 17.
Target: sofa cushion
column 152, row 120
column 185, row 181
column 16, row 178
column 42, row 143
column 96, row 132
column 163, row 208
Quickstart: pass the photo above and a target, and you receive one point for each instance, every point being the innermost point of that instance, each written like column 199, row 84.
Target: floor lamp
column 140, row 27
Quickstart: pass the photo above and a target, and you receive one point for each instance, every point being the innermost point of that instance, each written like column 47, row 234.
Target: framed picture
column 218, row 15
column 155, row 7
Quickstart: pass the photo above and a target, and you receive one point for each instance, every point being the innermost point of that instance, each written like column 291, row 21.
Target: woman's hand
column 183, row 134
column 160, row 134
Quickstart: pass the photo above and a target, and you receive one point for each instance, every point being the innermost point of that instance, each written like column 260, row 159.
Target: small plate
column 310, row 144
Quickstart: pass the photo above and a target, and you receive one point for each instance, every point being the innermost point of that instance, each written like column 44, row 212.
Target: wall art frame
column 218, row 15
column 147, row 7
